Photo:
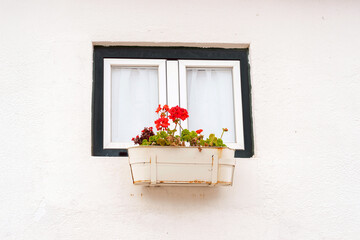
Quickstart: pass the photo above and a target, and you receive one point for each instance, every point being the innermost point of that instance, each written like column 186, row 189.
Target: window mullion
column 172, row 74
column 183, row 89
column 162, row 82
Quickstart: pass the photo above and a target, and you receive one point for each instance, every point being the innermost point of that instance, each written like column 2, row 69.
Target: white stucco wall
column 303, row 183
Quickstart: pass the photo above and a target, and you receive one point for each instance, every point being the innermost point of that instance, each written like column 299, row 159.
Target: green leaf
column 193, row 134
column 185, row 135
column 163, row 134
column 212, row 137
column 161, row 142
column 145, row 142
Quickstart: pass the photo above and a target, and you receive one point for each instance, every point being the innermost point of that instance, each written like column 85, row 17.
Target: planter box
column 181, row 166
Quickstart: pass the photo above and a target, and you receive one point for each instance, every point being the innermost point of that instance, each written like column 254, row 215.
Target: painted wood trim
column 235, row 66
column 108, row 64
column 170, row 53
column 172, row 74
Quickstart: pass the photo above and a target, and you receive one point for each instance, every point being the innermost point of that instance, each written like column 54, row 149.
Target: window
column 129, row 83
column 133, row 88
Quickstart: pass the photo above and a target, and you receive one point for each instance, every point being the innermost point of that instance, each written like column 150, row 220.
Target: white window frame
column 172, row 84
column 238, row 115
column 112, row 62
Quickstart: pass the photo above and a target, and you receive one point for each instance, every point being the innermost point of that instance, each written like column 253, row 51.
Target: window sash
column 108, row 64
column 235, row 66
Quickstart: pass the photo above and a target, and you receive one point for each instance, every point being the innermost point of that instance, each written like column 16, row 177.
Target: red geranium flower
column 177, row 113
column 162, row 123
column 166, row 107
column 225, row 129
column 158, row 109
column 199, row 131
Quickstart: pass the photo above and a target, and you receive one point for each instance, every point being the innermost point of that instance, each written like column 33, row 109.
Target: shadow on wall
column 184, row 198
column 243, row 194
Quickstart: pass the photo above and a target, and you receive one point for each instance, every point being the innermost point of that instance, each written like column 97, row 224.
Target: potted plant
column 166, row 158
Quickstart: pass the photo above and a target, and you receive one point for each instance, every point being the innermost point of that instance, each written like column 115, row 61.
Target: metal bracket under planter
column 181, row 166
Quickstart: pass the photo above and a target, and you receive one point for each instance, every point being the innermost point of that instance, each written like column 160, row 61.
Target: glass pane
column 134, row 100
column 210, row 101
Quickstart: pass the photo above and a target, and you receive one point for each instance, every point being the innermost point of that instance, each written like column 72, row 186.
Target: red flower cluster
column 162, row 123
column 199, row 131
column 165, row 108
column 177, row 113
column 158, row 109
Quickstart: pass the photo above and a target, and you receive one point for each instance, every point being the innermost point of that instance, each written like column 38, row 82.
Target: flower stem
column 173, row 133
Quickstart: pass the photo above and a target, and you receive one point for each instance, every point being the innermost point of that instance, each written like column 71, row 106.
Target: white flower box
column 181, row 166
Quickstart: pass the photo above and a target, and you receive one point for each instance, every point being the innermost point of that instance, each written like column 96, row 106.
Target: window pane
column 210, row 101
column 134, row 98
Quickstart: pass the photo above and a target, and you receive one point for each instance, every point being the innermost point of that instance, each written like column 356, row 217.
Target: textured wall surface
column 303, row 182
